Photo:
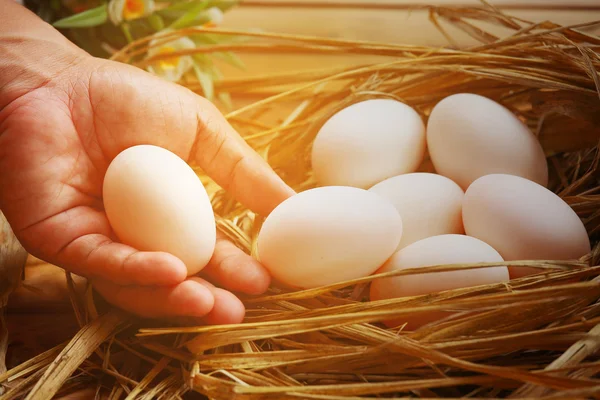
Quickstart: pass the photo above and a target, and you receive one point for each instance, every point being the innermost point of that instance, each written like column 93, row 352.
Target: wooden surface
column 402, row 25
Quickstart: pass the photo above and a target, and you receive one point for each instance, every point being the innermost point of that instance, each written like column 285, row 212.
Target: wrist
column 33, row 52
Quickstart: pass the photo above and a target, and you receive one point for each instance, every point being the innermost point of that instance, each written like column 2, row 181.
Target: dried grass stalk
column 72, row 356
column 12, row 262
column 534, row 337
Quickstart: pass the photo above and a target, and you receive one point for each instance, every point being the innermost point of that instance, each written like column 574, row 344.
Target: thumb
column 165, row 114
column 226, row 157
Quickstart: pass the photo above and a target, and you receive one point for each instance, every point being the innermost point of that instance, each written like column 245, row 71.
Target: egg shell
column 429, row 205
column 435, row 251
column 368, row 142
column 328, row 235
column 469, row 136
column 523, row 221
column 154, row 201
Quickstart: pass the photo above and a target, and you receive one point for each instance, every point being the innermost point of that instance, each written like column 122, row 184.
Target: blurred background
column 398, row 21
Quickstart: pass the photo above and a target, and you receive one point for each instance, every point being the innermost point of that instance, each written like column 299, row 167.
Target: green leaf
column 205, row 81
column 231, row 59
column 208, row 67
column 225, row 99
column 191, row 16
column 93, row 17
column 228, row 57
column 214, row 72
column 140, row 27
column 207, row 38
column 203, row 39
column 127, row 32
column 201, row 59
column 224, row 5
column 156, row 22
column 181, row 5
column 175, row 10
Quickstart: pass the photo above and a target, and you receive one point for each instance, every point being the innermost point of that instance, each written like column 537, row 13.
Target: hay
column 534, row 337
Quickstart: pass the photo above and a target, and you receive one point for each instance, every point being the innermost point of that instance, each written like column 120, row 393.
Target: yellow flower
column 125, row 10
column 174, row 67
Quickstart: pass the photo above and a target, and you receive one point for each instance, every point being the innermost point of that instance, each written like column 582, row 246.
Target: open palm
column 56, row 142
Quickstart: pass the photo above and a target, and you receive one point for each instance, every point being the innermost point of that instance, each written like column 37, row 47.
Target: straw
column 533, row 337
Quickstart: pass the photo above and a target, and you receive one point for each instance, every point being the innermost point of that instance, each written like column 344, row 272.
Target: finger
column 233, row 164
column 228, row 309
column 122, row 264
column 187, row 299
column 235, row 270
column 79, row 240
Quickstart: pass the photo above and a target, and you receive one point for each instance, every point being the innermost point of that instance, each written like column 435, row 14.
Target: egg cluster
column 373, row 212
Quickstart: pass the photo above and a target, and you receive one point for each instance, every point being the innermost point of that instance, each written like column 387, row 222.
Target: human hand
column 61, row 123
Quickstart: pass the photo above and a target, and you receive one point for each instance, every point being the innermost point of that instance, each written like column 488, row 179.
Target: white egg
column 154, row 201
column 429, row 204
column 523, row 221
column 469, row 136
column 436, row 251
column 328, row 235
column 367, row 142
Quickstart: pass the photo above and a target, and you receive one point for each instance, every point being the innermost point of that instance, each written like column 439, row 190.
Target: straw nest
column 536, row 337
